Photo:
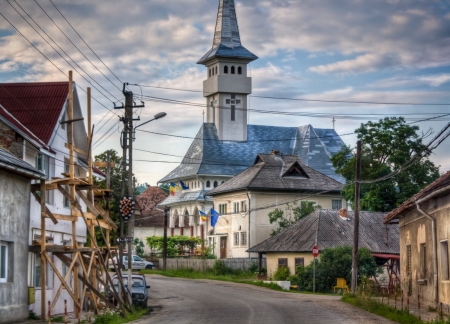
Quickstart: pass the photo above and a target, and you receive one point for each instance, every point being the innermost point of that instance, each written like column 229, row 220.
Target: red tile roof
column 147, row 203
column 439, row 183
column 36, row 105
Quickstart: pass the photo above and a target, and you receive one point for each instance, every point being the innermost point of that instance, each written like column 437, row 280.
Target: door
column 223, row 247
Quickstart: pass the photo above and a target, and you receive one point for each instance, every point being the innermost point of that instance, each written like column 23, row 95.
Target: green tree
column 139, row 247
column 291, row 214
column 386, row 146
column 176, row 245
column 336, row 263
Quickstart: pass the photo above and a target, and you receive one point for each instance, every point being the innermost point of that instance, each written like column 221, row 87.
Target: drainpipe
column 433, row 238
column 249, row 211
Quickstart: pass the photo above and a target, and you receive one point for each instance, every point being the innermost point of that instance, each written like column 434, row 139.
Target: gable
column 295, row 170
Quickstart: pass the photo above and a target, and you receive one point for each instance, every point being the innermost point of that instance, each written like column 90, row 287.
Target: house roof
column 227, row 41
column 280, row 173
column 147, row 203
column 13, row 164
column 36, row 105
column 183, row 197
column 440, row 183
column 208, row 155
column 326, row 229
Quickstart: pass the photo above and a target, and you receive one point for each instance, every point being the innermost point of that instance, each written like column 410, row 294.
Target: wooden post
column 418, row 305
column 89, row 134
column 356, row 220
column 65, row 311
column 43, row 243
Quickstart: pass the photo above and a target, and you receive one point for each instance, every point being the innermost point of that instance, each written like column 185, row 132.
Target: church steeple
column 227, row 84
column 227, row 41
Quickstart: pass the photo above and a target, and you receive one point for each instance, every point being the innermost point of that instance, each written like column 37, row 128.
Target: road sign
column 124, row 239
column 315, row 251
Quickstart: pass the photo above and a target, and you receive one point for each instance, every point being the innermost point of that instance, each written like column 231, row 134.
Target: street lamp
column 157, row 116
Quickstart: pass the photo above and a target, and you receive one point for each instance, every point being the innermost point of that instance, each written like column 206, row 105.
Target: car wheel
column 149, row 267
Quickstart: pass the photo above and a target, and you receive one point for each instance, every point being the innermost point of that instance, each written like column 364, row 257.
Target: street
column 177, row 300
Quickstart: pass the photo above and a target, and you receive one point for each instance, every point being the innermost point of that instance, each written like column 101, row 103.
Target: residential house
column 273, row 181
column 32, row 128
column 148, row 219
column 331, row 228
column 424, row 222
column 226, row 144
column 15, row 175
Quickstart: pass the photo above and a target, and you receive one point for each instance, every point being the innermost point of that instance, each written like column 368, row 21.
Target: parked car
column 139, row 289
column 136, row 264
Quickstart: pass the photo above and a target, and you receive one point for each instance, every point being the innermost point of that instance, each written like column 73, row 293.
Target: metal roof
column 208, row 155
column 227, row 41
column 183, row 197
column 13, row 164
column 36, row 105
column 326, row 229
column 279, row 173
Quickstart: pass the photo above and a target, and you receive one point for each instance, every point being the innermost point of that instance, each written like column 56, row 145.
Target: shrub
column 295, row 280
column 281, row 274
column 253, row 267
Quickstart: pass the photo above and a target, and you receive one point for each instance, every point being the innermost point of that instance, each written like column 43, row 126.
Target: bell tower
column 227, row 85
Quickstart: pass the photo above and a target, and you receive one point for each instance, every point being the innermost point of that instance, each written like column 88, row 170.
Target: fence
column 203, row 264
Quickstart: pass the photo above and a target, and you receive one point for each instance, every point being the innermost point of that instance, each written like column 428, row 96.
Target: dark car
column 138, row 289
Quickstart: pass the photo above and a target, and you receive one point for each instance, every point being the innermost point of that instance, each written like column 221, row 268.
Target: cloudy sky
column 391, row 51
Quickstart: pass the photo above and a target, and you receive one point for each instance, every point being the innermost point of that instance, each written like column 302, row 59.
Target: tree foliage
column 176, row 245
column 336, row 263
column 386, row 146
column 291, row 214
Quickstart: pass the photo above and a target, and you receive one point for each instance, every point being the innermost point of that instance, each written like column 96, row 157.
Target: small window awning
column 386, row 256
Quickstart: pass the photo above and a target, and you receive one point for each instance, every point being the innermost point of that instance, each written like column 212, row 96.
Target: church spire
column 227, row 41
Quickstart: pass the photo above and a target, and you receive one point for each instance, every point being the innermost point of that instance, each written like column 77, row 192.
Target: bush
column 281, row 274
column 219, row 268
column 253, row 267
column 295, row 280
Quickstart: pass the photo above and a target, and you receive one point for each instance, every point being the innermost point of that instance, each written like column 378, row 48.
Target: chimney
column 343, row 213
column 275, row 152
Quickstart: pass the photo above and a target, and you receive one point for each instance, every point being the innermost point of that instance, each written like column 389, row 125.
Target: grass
column 239, row 277
column 389, row 312
column 111, row 317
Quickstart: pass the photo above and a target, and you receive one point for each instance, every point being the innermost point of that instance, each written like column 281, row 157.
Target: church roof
column 227, row 41
column 276, row 172
column 208, row 155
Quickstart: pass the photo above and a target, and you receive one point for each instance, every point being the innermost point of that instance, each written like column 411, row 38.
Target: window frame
column 239, row 69
column 423, row 261
column 445, row 264
column 339, row 203
column 225, row 69
column 236, row 208
column 4, row 255
column 233, row 70
column 243, row 238
column 297, row 263
column 281, row 262
column 215, row 184
column 236, row 237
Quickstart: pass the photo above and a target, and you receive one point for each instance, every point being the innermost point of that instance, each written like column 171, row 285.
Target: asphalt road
column 204, row 301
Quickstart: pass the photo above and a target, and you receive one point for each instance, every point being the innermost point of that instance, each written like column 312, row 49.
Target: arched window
column 210, row 72
column 239, row 70
column 215, row 184
column 208, row 184
column 216, row 69
column 232, row 70
column 225, row 69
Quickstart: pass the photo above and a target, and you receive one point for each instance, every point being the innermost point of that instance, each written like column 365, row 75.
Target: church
column 226, row 144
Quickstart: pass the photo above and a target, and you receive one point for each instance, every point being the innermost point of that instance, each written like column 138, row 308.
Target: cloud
column 433, row 80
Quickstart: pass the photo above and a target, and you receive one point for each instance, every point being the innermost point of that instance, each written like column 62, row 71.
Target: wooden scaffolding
column 89, row 265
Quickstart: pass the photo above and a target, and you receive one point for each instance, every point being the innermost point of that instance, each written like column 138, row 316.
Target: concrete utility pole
column 129, row 117
column 356, row 221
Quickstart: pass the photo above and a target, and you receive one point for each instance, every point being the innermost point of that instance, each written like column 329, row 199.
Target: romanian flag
column 203, row 216
column 172, row 189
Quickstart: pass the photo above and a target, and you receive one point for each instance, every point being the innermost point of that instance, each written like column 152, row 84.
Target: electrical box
column 31, row 294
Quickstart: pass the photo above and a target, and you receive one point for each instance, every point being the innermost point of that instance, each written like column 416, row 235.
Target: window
column 216, row 69
column 243, row 238
column 233, row 113
column 212, row 71
column 222, row 209
column 336, row 204
column 37, row 272
column 209, row 72
column 236, row 208
column 239, row 70
column 215, row 184
column 136, row 258
column 243, row 206
column 299, row 262
column 423, row 261
column 228, row 101
column 3, row 262
column 225, row 69
column 232, row 70
column 236, row 239
column 282, row 262
column 445, row 272
column 208, row 184
column 43, row 163
column 211, row 241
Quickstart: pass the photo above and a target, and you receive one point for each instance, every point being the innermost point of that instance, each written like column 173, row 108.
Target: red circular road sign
column 315, row 251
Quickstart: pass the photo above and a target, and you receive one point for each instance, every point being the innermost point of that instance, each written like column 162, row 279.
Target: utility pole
column 356, row 221
column 166, row 215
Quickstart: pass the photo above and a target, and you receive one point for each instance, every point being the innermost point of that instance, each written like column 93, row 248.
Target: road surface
column 177, row 300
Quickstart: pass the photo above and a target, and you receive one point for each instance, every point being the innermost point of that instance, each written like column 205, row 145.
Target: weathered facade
column 424, row 222
column 15, row 176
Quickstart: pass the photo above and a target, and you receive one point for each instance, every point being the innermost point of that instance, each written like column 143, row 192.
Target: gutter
column 434, row 237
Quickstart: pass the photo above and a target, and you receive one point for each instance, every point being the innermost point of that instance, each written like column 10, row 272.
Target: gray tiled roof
column 184, row 197
column 270, row 172
column 326, row 228
column 208, row 155
column 13, row 164
column 227, row 41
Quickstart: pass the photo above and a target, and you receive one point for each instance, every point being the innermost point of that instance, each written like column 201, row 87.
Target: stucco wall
column 143, row 232
column 14, row 224
column 272, row 261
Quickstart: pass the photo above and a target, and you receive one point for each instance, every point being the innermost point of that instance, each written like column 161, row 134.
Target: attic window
column 295, row 171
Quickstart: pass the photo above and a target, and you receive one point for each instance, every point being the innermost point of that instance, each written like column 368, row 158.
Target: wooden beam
column 97, row 209
column 72, row 263
column 71, row 121
column 75, row 149
column 73, row 202
column 42, row 250
column 65, row 217
column 47, row 213
column 104, row 164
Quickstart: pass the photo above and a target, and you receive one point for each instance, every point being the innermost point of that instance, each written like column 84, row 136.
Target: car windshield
column 136, row 282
